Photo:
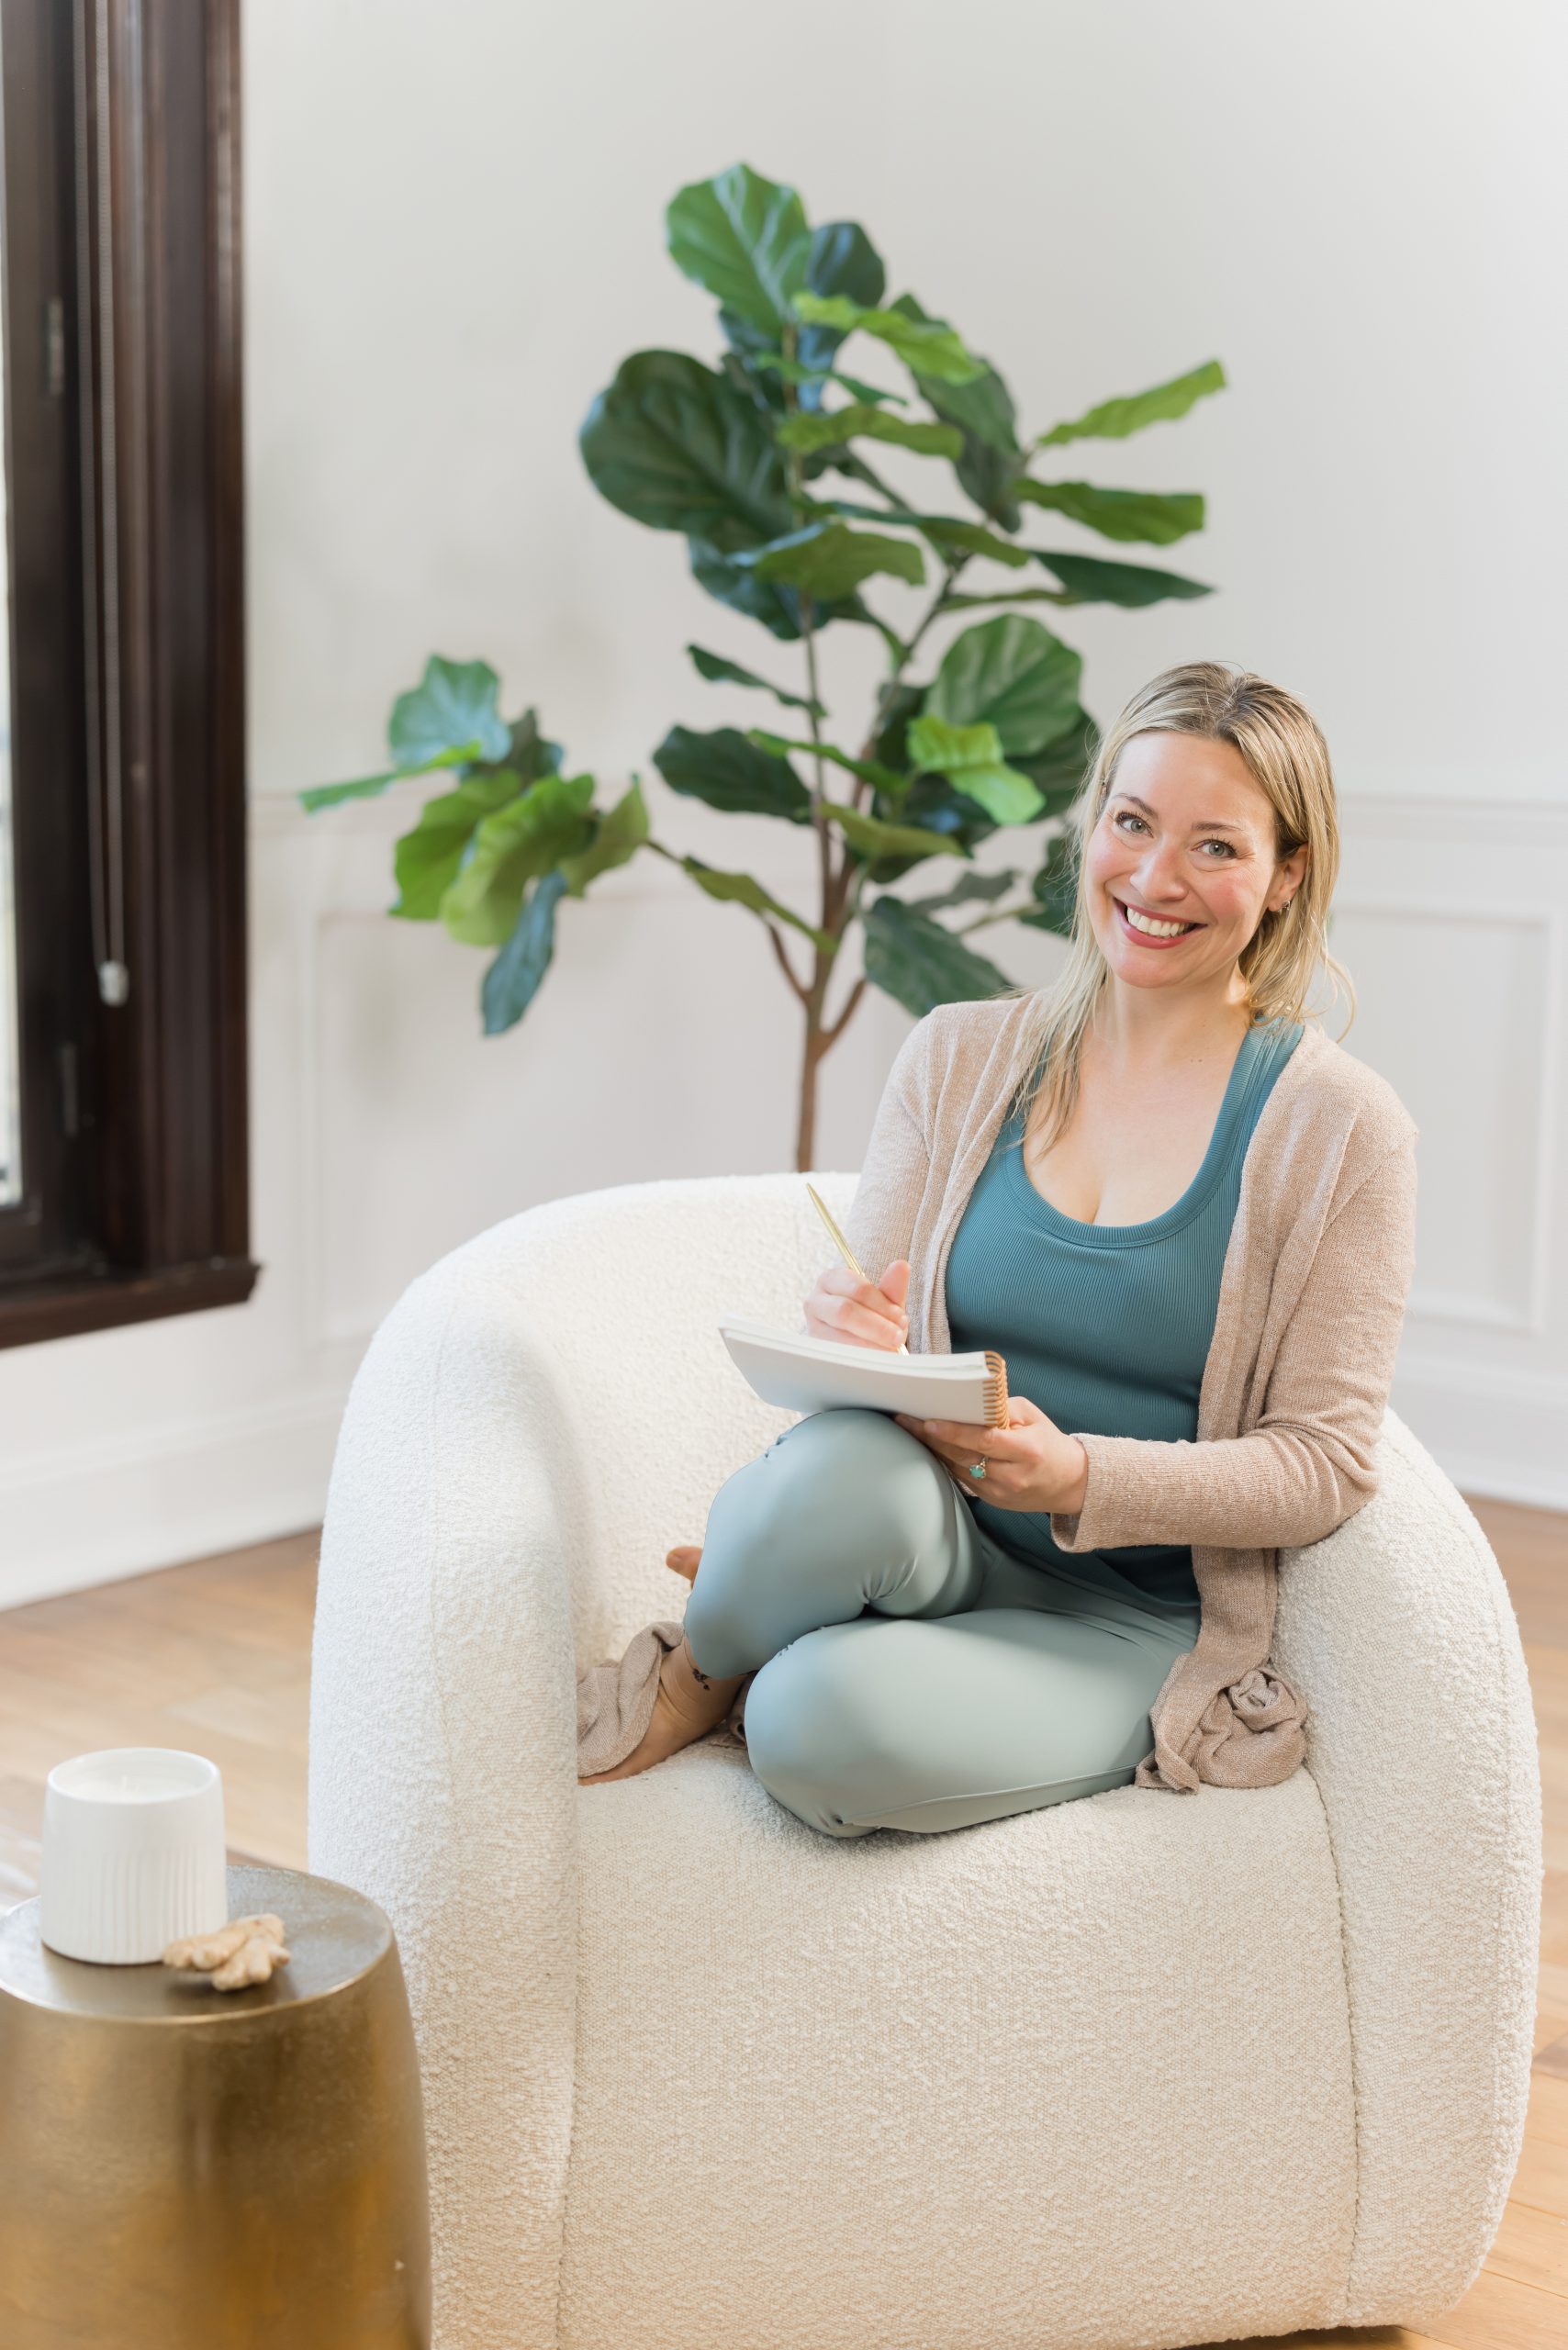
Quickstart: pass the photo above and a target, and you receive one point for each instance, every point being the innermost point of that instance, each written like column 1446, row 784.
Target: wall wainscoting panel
column 99, row 1510
column 1451, row 926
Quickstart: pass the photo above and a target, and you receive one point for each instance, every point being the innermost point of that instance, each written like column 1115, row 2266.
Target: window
column 10, row 1069
column 122, row 943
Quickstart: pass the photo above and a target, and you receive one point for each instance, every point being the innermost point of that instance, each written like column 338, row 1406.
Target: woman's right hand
column 857, row 1312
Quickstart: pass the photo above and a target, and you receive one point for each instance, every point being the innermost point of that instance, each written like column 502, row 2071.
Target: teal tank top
column 1106, row 1326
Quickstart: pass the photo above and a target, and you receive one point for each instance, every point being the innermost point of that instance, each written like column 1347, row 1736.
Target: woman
column 1185, row 1218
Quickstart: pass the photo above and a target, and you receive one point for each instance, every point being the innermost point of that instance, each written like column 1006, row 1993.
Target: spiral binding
column 995, row 1390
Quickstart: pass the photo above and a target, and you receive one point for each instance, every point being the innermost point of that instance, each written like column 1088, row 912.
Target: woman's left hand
column 1029, row 1464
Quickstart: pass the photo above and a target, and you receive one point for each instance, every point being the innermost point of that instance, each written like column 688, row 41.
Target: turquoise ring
column 977, row 1467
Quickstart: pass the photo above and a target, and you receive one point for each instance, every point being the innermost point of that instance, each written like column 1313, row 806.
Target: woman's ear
column 1289, row 875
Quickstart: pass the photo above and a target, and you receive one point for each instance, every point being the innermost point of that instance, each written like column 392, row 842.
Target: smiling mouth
column 1160, row 927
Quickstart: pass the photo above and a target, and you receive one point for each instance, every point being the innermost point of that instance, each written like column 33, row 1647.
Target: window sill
column 32, row 1311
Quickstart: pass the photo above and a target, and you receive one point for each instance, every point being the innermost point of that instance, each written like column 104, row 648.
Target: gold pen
column 843, row 1248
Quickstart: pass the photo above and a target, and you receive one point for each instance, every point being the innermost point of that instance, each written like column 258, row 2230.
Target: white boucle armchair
column 1139, row 2069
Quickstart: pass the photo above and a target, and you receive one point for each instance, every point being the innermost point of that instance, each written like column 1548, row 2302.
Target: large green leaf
column 1013, row 673
column 531, row 833
column 926, row 350
column 970, row 758
column 752, row 364
column 743, row 890
column 933, row 803
column 1113, row 419
column 983, row 411
column 427, row 859
column 777, row 607
column 1056, row 889
column 896, row 705
column 880, row 778
column 872, row 836
column 675, row 446
column 955, row 603
column 983, row 407
column 971, row 538
column 842, row 260
column 1059, row 771
column 621, row 831
column 362, row 786
column 512, row 980
column 730, row 773
column 450, row 715
column 948, row 533
column 987, row 887
column 714, row 666
column 828, row 560
column 744, row 239
column 831, row 428
column 448, row 720
column 919, row 963
column 1156, row 516
column 528, row 753
column 1090, row 580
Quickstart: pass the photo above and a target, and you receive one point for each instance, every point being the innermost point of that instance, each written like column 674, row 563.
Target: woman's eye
column 1128, row 817
column 1219, row 844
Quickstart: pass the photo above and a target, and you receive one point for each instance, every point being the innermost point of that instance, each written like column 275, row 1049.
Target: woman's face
column 1185, row 838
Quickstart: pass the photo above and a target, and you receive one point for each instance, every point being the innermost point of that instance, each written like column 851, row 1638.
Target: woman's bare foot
column 684, row 1559
column 687, row 1704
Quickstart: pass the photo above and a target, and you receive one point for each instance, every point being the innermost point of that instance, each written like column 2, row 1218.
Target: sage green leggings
column 909, row 1674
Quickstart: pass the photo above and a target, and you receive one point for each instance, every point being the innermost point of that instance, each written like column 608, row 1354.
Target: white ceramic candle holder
column 133, row 1854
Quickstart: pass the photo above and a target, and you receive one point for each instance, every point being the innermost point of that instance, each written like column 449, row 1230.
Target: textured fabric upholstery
column 1121, row 2070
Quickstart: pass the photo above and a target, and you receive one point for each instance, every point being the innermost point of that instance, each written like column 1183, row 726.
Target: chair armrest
column 442, row 1760
column 1399, row 1632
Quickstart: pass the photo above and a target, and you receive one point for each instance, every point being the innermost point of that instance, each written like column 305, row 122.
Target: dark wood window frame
column 121, row 222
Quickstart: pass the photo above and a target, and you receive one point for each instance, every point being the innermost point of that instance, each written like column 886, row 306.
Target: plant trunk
column 820, row 1039
column 816, row 1048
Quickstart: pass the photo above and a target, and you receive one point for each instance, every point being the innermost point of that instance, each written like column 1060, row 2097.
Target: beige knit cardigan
column 1311, row 1305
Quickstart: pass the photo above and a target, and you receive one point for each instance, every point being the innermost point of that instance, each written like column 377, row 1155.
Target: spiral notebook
column 816, row 1374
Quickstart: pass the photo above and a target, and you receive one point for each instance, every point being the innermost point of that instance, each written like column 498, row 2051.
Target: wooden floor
column 216, row 1656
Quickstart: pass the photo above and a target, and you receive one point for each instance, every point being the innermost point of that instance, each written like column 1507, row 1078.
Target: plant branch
column 1014, row 596
column 855, row 992
column 659, row 849
column 776, row 937
column 950, row 570
column 858, row 470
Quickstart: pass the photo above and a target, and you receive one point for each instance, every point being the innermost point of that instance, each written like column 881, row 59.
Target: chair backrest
column 616, row 1294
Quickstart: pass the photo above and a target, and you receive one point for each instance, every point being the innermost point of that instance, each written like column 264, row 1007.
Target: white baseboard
column 96, row 1513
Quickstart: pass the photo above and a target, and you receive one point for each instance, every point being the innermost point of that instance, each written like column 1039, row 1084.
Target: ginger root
column 247, row 1950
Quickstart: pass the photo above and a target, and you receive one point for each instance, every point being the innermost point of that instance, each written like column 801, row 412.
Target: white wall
column 453, row 235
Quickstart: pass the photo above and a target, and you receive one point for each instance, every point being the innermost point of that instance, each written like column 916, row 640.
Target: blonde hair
column 1286, row 756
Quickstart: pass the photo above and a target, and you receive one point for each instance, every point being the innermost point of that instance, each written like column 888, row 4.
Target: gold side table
column 189, row 2169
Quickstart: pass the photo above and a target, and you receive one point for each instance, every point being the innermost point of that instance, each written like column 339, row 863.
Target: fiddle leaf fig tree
column 771, row 462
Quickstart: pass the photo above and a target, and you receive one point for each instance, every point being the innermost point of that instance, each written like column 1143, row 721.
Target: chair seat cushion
column 1081, row 2077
